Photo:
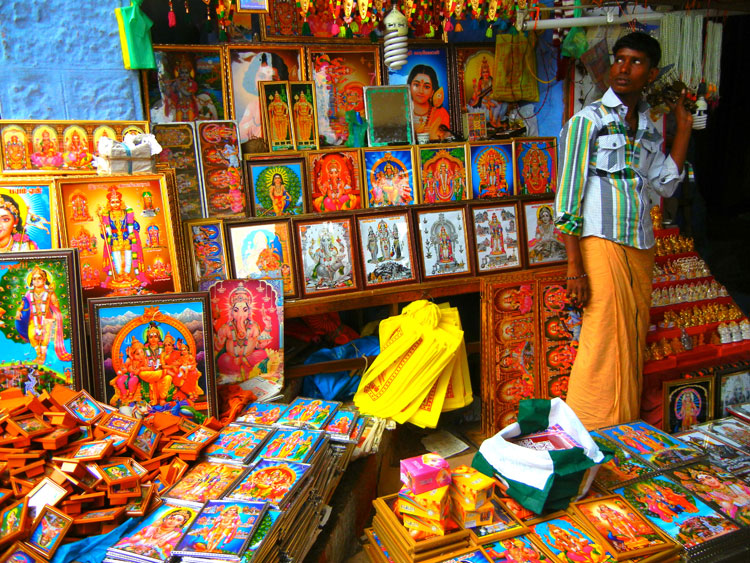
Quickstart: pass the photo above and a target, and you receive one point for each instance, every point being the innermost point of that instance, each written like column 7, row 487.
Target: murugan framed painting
column 28, row 215
column 276, row 114
column 304, row 107
column 444, row 242
column 687, row 402
column 536, row 165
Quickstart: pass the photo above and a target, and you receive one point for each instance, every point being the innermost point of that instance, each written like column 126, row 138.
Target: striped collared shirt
column 605, row 177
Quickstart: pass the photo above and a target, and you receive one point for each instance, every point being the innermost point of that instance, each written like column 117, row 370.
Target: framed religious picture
column 390, row 176
column 223, row 182
column 733, row 387
column 492, row 169
column 41, row 340
column 731, row 430
column 622, row 468
column 528, row 546
column 442, row 173
column 123, row 228
column 277, row 186
column 562, row 533
column 443, row 242
column 248, row 322
column 427, row 76
column 475, row 65
column 326, row 253
column 252, row 6
column 388, row 116
column 180, row 151
column 249, row 65
column 21, row 552
column 304, row 115
column 263, row 250
column 152, row 350
column 536, row 165
column 334, row 177
column 57, row 147
column 495, row 230
column 28, row 215
column 208, row 252
column 45, row 492
column 13, row 521
column 687, row 402
column 543, row 241
column 276, row 114
column 188, row 84
column 386, row 249
column 84, row 407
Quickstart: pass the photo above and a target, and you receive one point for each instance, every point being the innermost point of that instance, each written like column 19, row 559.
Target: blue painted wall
column 61, row 59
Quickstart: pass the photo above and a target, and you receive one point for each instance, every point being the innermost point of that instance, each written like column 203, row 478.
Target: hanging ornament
column 449, row 9
column 171, row 18
column 395, row 45
column 459, row 13
column 408, row 7
column 304, row 7
column 208, row 9
column 225, row 14
column 335, row 9
column 475, row 7
column 350, row 26
column 492, row 6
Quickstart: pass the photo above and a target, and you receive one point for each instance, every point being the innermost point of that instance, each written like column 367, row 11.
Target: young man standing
column 610, row 161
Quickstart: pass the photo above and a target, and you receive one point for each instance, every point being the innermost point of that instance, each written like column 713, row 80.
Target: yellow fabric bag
column 515, row 68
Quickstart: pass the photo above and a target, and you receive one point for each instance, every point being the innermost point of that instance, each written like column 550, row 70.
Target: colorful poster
column 389, row 175
column 205, row 481
column 180, row 151
column 291, row 445
column 269, row 481
column 496, row 237
column 566, row 539
column 27, row 217
column 536, row 165
column 442, row 171
column 278, row 187
column 262, row 413
column 223, row 180
column 713, row 484
column 236, row 443
column 544, row 243
column 308, row 413
column 492, row 171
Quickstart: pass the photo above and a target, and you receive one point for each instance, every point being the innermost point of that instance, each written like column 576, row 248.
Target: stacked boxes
column 470, row 493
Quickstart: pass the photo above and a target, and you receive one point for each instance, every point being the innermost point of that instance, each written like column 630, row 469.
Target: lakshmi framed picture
column 733, row 388
column 97, row 214
column 276, row 114
column 340, row 75
column 389, row 176
column 543, row 241
column 277, row 186
column 208, row 252
column 304, row 115
column 335, row 182
column 536, row 165
column 249, row 65
column 442, row 173
column 41, row 340
column 493, row 172
column 687, row 402
column 388, row 116
column 28, row 207
column 495, row 231
column 188, row 84
column 386, row 248
column 443, row 242
column 263, row 250
column 153, row 351
column 223, row 182
column 326, row 252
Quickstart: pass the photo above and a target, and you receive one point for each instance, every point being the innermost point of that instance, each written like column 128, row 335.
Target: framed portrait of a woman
column 304, row 115
column 475, row 66
column 335, row 182
column 536, row 165
column 544, row 243
column 426, row 74
column 28, row 215
column 687, row 402
column 277, row 186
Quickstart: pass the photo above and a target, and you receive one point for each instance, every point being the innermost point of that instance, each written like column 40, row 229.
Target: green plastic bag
column 575, row 43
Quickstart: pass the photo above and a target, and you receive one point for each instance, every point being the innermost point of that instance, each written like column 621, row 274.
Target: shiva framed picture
column 154, row 351
column 334, row 180
column 304, row 115
column 263, row 250
column 386, row 248
column 340, row 75
column 389, row 176
column 208, row 252
column 249, row 65
column 493, row 173
column 223, row 182
column 252, row 6
column 124, row 231
column 41, row 340
column 732, row 388
column 188, row 84
column 442, row 173
column 427, row 76
column 544, row 243
column 277, row 185
column 495, row 237
column 536, row 165
column 326, row 253
column 687, row 402
column 28, row 215
column 475, row 65
column 276, row 114
column 444, row 243
column 388, row 116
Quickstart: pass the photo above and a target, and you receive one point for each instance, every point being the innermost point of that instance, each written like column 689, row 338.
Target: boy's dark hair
column 643, row 42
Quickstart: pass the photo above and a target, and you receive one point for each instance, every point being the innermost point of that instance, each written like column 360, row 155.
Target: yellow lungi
column 606, row 379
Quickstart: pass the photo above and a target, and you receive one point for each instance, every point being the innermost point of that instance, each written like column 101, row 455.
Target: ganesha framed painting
column 123, row 229
column 154, row 351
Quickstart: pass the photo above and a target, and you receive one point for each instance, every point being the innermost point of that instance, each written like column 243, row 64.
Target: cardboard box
column 425, row 472
column 435, row 527
column 434, row 504
column 471, row 488
column 473, row 518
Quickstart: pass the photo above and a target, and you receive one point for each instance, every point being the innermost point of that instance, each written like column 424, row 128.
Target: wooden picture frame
column 390, row 176
column 386, row 245
column 84, row 407
column 276, row 114
column 474, row 67
column 443, row 240
column 31, row 204
column 176, row 327
column 44, row 492
column 50, row 528
column 57, row 147
column 144, row 442
column 732, row 387
column 93, row 451
column 543, row 242
column 263, row 249
column 326, row 255
column 277, row 185
column 224, row 188
column 388, row 114
column 188, row 84
column 340, row 74
column 13, row 521
column 252, row 6
column 493, row 169
column 334, row 180
column 528, row 542
column 28, row 425
column 87, row 207
column 20, row 552
column 442, row 173
column 536, row 165
column 504, row 525
column 44, row 280
column 495, row 230
column 208, row 252
column 569, row 524
column 304, row 106
column 687, row 402
column 118, row 423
